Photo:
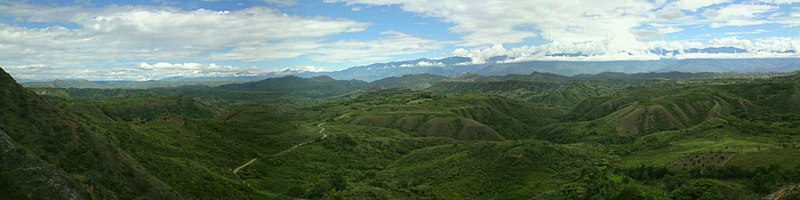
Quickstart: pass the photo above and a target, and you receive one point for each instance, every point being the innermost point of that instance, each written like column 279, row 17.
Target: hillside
column 409, row 81
column 296, row 86
column 539, row 135
column 81, row 163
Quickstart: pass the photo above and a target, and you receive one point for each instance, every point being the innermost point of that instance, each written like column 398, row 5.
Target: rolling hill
column 297, row 86
column 669, row 135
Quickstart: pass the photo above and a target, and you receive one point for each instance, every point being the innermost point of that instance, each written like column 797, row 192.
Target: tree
column 296, row 191
column 338, row 182
column 631, row 193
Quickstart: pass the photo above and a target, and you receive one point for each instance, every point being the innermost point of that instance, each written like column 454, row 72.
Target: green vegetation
column 536, row 136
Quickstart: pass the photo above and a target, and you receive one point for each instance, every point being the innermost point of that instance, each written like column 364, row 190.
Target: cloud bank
column 117, row 39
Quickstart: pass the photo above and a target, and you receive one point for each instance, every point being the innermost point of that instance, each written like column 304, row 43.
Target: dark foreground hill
column 49, row 155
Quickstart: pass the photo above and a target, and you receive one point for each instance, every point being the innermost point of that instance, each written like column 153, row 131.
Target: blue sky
column 153, row 39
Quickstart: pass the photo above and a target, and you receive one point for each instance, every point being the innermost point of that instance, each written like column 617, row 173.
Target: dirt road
column 777, row 195
column 321, row 131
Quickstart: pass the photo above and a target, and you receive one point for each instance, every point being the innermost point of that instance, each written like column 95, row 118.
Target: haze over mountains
column 498, row 66
column 454, row 66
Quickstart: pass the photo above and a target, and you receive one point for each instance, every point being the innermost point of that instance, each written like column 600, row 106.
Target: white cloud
column 589, row 25
column 138, row 33
column 479, row 56
column 165, row 65
column 780, row 1
column 342, row 51
column 161, row 70
column 772, row 47
column 366, row 51
column 196, row 29
column 739, row 15
column 693, row 5
column 424, row 63
column 598, row 29
column 483, row 23
column 757, row 31
column 306, row 69
column 282, row 2
column 149, row 33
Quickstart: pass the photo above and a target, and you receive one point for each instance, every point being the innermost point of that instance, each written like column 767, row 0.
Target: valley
column 665, row 135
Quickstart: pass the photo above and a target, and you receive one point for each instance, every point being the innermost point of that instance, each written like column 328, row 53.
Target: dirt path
column 321, row 131
column 245, row 165
column 728, row 159
column 777, row 195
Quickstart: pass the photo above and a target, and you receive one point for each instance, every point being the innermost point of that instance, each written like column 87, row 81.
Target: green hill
column 532, row 136
column 409, row 81
column 49, row 143
column 530, row 169
column 462, row 117
column 292, row 85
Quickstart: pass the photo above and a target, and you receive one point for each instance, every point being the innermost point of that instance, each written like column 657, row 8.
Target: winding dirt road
column 321, row 131
column 777, row 195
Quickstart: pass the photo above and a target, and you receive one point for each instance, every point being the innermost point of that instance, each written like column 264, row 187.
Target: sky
column 155, row 39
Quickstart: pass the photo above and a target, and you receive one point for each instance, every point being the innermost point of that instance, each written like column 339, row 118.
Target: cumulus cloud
column 739, row 15
column 364, row 51
column 154, row 33
column 780, row 1
column 693, row 5
column 480, row 56
column 140, row 33
column 424, row 63
column 392, row 43
column 159, row 26
column 772, row 47
column 586, row 27
column 510, row 21
column 82, row 37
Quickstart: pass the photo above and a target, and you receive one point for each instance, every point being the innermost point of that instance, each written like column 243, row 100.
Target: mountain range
column 494, row 66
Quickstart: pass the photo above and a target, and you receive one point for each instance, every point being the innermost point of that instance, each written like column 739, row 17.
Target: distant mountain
column 459, row 66
column 382, row 70
column 293, row 85
column 81, row 83
column 568, row 68
column 713, row 50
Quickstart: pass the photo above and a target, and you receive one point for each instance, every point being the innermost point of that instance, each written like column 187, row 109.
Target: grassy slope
column 102, row 169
